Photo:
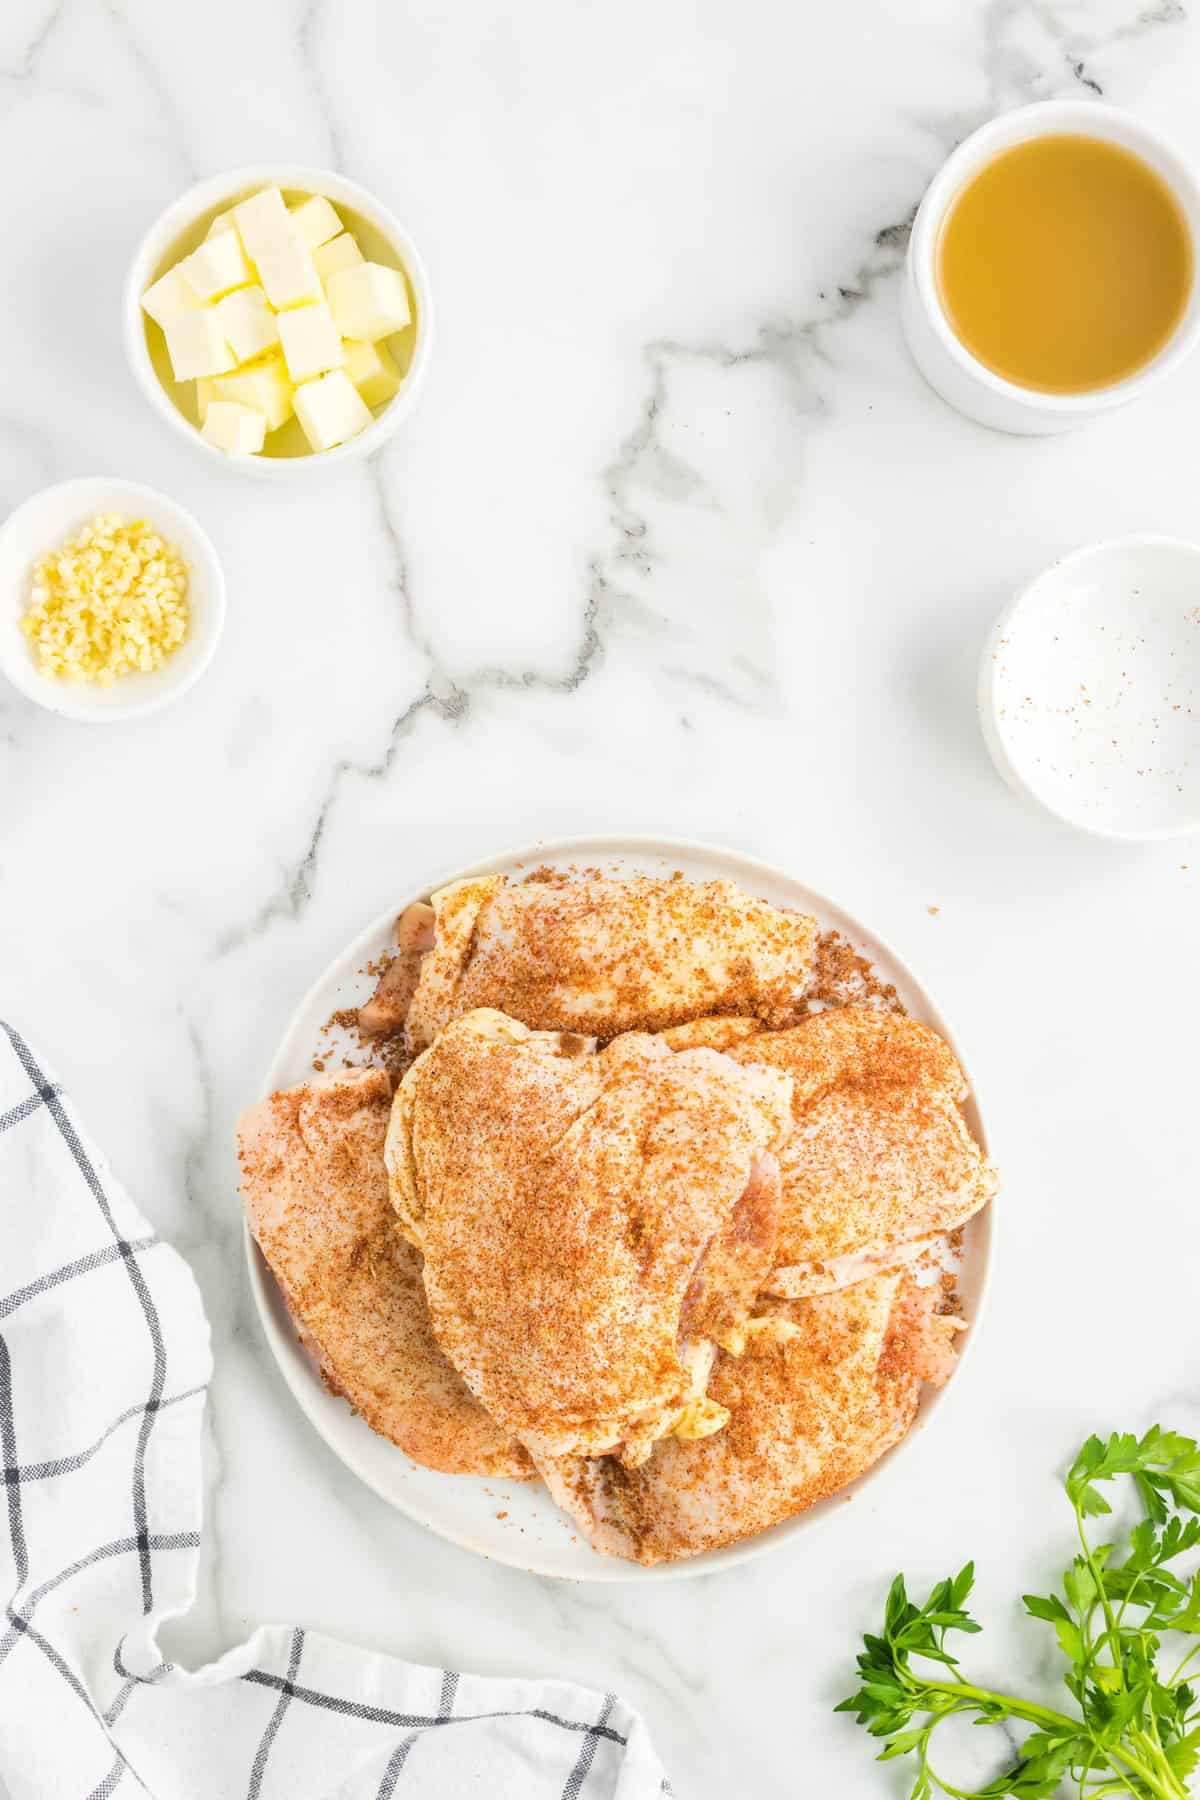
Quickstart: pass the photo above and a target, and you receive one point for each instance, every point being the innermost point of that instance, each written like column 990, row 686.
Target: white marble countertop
column 677, row 542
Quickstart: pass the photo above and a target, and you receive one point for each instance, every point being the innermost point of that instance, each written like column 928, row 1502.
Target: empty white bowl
column 48, row 520
column 176, row 231
column 1089, row 690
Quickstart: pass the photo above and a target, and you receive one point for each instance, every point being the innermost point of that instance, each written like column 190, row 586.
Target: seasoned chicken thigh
column 590, row 1221
column 316, row 1196
column 604, row 956
column 822, row 1388
column 880, row 1161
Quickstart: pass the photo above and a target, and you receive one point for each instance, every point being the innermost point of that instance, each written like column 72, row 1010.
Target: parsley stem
column 1029, row 1710
column 1160, row 1780
column 1112, row 1634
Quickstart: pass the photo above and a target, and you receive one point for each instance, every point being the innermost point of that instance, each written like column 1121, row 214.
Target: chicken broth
column 1065, row 264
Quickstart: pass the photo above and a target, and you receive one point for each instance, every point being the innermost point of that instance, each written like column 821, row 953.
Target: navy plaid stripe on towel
column 104, row 1364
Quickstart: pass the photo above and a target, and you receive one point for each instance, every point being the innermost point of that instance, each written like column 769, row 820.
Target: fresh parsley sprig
column 1135, row 1725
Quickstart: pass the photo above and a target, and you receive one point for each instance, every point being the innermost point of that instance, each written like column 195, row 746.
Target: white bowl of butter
column 280, row 318
column 111, row 563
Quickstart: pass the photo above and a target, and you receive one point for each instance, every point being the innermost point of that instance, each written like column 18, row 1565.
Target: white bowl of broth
column 1051, row 270
column 183, row 226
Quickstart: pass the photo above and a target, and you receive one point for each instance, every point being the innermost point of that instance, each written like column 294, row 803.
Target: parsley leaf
column 1134, row 1723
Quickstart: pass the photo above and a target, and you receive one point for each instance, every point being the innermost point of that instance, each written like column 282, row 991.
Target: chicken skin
column 315, row 1190
column 591, row 1222
column 880, row 1162
column 604, row 957
column 821, row 1390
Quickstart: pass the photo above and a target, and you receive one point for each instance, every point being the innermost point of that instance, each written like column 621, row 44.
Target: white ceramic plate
column 513, row 1522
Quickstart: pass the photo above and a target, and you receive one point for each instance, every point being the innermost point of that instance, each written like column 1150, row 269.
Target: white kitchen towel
column 104, row 1364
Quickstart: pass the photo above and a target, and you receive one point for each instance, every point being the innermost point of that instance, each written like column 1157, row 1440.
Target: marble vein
column 790, row 347
column 308, row 35
column 444, row 698
column 157, row 86
column 24, row 65
column 797, row 349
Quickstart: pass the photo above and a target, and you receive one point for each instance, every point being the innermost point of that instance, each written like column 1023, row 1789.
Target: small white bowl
column 49, row 519
column 160, row 248
column 1089, row 689
column 944, row 361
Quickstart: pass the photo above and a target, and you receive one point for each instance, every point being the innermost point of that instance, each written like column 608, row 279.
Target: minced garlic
column 770, row 1328
column 111, row 601
column 700, row 1419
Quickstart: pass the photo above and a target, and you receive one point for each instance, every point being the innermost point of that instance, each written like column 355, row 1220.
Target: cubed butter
column 286, row 272
column 261, row 221
column 196, row 344
column 248, row 322
column 311, row 341
column 331, row 409
column 284, row 266
column 236, row 429
column 169, row 296
column 372, row 370
column 217, row 266
column 339, row 253
column 206, row 393
column 264, row 385
column 368, row 301
column 223, row 222
column 314, row 222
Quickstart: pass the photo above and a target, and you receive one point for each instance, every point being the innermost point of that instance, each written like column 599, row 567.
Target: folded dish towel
column 104, row 1364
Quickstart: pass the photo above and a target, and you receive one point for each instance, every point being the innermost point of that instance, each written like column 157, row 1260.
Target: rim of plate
column 299, row 1370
